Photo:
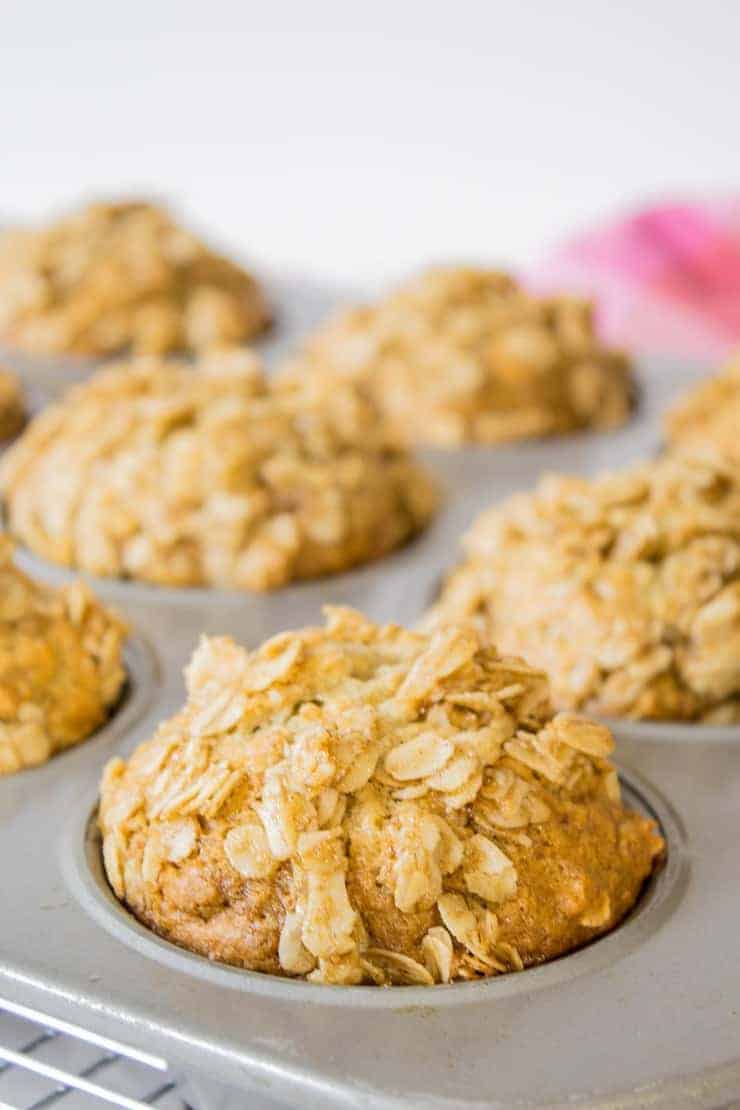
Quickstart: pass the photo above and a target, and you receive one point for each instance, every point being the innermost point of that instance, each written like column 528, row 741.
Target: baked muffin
column 61, row 665
column 12, row 409
column 707, row 417
column 363, row 804
column 625, row 589
column 463, row 355
column 204, row 475
column 115, row 276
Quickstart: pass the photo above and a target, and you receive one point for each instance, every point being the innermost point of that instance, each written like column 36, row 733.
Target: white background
column 358, row 141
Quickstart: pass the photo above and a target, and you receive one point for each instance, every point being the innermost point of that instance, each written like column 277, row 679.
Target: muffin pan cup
column 645, row 1015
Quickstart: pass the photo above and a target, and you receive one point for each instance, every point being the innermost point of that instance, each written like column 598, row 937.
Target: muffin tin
column 645, row 1015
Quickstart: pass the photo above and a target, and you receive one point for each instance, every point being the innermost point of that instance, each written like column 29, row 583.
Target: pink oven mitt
column 666, row 279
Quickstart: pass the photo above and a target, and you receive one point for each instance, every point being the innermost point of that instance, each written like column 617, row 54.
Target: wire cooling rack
column 45, row 1062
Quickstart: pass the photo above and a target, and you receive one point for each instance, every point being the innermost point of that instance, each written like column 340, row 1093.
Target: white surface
column 357, row 141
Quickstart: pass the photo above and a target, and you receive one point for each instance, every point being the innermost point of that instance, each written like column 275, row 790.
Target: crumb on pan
column 122, row 275
column 204, row 475
column 625, row 588
column 364, row 804
column 61, row 665
column 462, row 354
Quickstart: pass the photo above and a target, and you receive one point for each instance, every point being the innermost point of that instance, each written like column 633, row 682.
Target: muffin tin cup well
column 82, row 863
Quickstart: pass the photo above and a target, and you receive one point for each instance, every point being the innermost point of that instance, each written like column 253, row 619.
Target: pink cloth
column 666, row 278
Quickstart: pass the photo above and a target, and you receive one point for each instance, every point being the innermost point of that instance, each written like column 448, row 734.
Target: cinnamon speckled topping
column 61, row 665
column 463, row 354
column 115, row 276
column 625, row 589
column 187, row 475
column 364, row 804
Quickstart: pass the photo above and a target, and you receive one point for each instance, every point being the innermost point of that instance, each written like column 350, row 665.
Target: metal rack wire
column 45, row 1063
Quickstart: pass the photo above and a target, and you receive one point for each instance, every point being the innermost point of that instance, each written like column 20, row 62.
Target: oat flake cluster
column 462, row 354
column 707, row 418
column 363, row 804
column 115, row 276
column 61, row 666
column 12, row 409
column 187, row 476
column 625, row 589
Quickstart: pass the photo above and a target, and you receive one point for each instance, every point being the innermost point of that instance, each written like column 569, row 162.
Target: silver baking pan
column 647, row 1016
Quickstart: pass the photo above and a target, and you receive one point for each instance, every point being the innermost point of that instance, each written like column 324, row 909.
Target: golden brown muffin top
column 124, row 275
column 462, row 354
column 359, row 803
column 707, row 417
column 625, row 588
column 187, row 475
column 12, row 408
column 61, row 665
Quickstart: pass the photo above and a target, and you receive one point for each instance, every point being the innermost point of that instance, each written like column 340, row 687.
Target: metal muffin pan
column 644, row 1016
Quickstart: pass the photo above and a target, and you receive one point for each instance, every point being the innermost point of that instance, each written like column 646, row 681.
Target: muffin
column 204, row 475
column 625, row 589
column 12, row 409
column 707, row 418
column 363, row 804
column 115, row 276
column 466, row 355
column 61, row 666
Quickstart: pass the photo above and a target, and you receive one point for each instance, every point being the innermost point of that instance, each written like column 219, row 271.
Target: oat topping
column 625, row 589
column 186, row 476
column 61, row 665
column 115, row 276
column 707, row 417
column 12, row 409
column 364, row 804
column 461, row 354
